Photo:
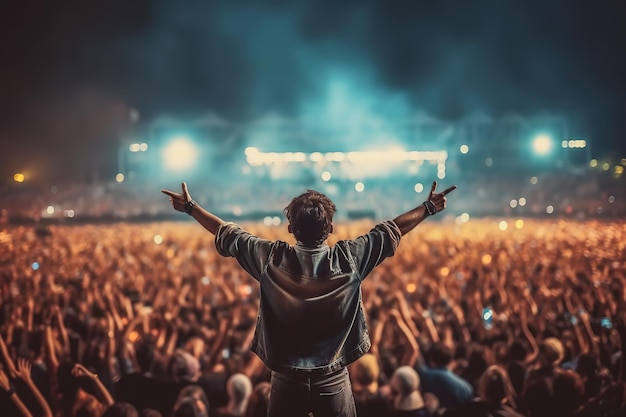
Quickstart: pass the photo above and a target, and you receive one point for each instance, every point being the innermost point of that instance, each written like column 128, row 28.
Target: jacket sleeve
column 250, row 251
column 372, row 248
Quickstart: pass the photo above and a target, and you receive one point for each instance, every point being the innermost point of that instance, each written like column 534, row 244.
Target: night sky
column 70, row 71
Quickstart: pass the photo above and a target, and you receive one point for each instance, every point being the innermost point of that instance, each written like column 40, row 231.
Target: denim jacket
column 311, row 319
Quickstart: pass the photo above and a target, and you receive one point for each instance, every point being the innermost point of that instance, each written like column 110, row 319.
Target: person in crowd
column 311, row 322
column 495, row 397
column 365, row 375
column 239, row 389
column 407, row 398
column 437, row 378
column 259, row 400
column 191, row 401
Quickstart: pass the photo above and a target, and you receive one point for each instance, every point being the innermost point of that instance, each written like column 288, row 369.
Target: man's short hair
column 310, row 217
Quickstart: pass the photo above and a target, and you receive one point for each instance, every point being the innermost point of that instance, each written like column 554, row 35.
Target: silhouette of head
column 310, row 217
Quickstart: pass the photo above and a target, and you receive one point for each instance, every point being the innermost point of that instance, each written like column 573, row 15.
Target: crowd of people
column 148, row 320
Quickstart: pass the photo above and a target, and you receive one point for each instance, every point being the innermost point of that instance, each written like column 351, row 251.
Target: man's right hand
column 439, row 199
column 178, row 199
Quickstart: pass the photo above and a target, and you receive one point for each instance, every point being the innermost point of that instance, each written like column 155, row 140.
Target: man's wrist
column 189, row 205
column 430, row 207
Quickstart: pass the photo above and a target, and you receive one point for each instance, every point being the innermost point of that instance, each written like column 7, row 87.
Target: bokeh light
column 180, row 154
column 542, row 144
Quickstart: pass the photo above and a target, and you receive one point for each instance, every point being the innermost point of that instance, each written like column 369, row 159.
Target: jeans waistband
column 298, row 376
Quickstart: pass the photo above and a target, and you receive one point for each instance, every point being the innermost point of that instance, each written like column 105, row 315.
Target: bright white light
column 255, row 157
column 180, row 154
column 143, row 147
column 574, row 143
column 326, row 176
column 465, row 217
column 158, row 239
column 119, row 177
column 441, row 171
column 534, row 180
column 69, row 213
column 542, row 144
column 419, row 187
column 267, row 220
column 359, row 187
column 513, row 203
column 134, row 147
column 335, row 156
column 50, row 210
column 316, row 157
column 275, row 221
column 550, row 209
column 503, row 225
column 522, row 201
column 464, row 149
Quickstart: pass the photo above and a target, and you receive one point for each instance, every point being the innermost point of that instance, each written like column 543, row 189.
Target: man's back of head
column 310, row 217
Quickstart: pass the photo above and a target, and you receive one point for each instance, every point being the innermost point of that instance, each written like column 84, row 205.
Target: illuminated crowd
column 146, row 319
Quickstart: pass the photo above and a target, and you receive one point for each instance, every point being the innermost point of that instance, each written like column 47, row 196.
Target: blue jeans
column 325, row 396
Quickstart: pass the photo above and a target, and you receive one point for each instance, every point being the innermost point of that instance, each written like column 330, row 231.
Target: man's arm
column 436, row 202
column 183, row 202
